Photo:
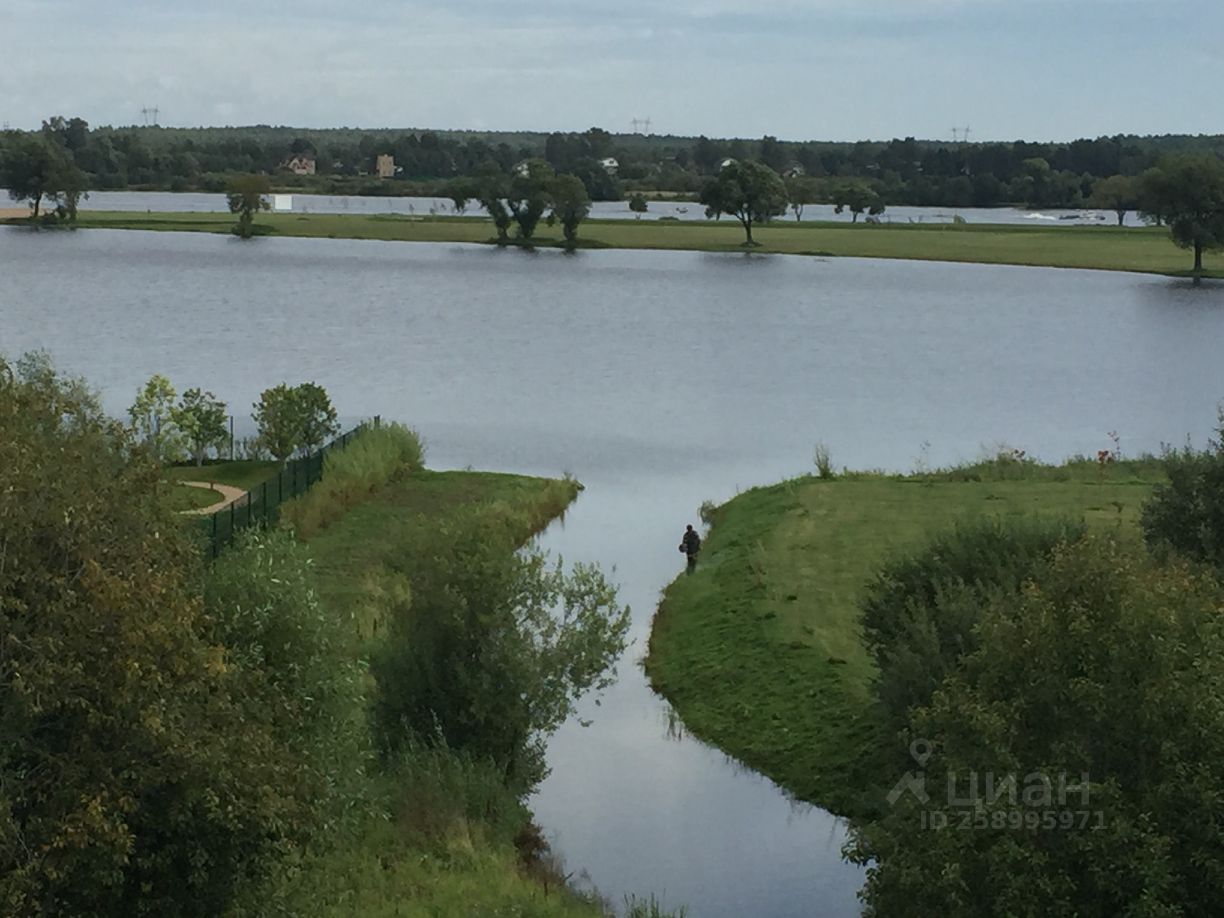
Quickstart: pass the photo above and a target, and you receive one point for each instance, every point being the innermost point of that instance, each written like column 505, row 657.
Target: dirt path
column 229, row 495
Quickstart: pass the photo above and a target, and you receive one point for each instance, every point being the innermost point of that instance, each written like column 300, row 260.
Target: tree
column 460, row 191
column 528, row 195
column 857, row 197
column 276, row 418
column 748, row 191
column 1186, row 513
column 1119, row 193
column 136, row 778
column 638, row 204
column 155, row 420
column 1074, row 757
column 34, row 167
column 570, row 205
column 201, row 417
column 492, row 649
column 801, row 190
column 1188, row 192
column 316, row 416
column 293, row 418
column 491, row 190
column 248, row 195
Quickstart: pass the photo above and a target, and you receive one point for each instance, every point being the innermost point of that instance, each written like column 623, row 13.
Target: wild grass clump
column 824, row 462
column 650, row 908
column 350, row 475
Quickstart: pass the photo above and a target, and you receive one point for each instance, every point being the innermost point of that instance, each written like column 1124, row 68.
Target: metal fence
column 261, row 505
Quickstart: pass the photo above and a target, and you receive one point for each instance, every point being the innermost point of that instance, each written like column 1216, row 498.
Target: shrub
column 1186, row 515
column 493, row 649
column 1106, row 666
column 920, row 614
column 350, row 475
column 824, row 462
column 133, row 780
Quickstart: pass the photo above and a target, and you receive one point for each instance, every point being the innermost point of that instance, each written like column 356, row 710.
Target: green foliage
column 650, row 908
column 1109, row 669
column 748, row 191
column 638, row 204
column 800, row 191
column 921, row 612
column 294, row 418
column 528, row 195
column 201, row 418
column 374, row 458
column 33, row 167
column 132, row 779
column 824, row 461
column 570, row 204
column 247, row 196
column 1187, row 513
column 492, row 189
column 285, row 650
column 494, row 649
column 857, row 197
column 155, row 419
column 1119, row 193
column 317, row 416
column 1187, row 192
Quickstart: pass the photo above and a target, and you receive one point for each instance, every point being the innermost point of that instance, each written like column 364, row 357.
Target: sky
column 796, row 69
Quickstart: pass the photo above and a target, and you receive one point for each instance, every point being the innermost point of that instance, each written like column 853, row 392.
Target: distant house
column 300, row 164
column 725, row 163
column 795, row 171
column 384, row 166
column 610, row 165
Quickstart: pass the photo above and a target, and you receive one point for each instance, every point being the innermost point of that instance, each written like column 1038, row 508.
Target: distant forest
column 908, row 171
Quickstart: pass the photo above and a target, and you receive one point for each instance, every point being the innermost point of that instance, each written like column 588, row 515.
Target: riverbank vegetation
column 761, row 650
column 1104, row 248
column 193, row 738
column 1009, row 675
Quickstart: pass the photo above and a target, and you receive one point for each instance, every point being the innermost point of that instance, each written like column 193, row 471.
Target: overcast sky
column 799, row 69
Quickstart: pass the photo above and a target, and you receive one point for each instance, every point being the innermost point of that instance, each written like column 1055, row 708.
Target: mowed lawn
column 759, row 650
column 1142, row 249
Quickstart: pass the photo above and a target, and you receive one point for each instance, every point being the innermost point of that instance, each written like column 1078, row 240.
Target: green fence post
column 214, row 535
column 265, row 500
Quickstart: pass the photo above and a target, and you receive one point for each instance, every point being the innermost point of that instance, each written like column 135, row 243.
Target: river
column 660, row 379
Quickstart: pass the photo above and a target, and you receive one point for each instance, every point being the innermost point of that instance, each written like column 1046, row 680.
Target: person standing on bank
column 690, row 544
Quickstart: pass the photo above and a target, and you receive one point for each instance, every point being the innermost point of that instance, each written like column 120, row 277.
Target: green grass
column 430, row 847
column 759, row 650
column 183, row 498
column 1142, row 249
column 243, row 474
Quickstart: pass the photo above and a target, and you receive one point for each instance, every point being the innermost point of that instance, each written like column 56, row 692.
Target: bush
column 493, row 649
column 133, row 780
column 1106, row 666
column 824, row 462
column 920, row 614
column 350, row 475
column 1186, row 515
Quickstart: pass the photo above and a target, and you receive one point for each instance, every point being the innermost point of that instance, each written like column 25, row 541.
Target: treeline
column 902, row 171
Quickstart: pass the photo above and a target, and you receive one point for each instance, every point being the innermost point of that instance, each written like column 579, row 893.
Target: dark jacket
column 691, row 542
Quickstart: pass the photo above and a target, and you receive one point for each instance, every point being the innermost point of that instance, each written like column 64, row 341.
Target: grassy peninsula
column 760, row 649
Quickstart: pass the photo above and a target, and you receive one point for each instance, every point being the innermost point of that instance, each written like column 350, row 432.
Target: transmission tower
column 149, row 112
column 966, row 134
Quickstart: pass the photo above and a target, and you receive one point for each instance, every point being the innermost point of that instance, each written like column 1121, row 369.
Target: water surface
column 660, row 379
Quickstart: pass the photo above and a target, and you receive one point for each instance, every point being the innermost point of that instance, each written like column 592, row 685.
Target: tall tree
column 248, row 195
column 857, row 197
column 201, row 417
column 154, row 419
column 1188, row 193
column 316, row 414
column 748, row 191
column 276, row 418
column 1119, row 193
column 491, row 189
column 801, row 191
column 570, row 204
column 34, row 167
column 528, row 195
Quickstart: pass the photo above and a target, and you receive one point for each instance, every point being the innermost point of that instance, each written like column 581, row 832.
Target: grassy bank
column 1101, row 247
column 759, row 650
column 440, row 836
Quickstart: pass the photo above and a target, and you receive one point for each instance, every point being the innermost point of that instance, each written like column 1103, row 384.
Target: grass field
column 244, row 474
column 759, row 650
column 185, row 498
column 1144, row 249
